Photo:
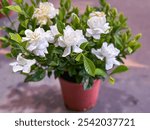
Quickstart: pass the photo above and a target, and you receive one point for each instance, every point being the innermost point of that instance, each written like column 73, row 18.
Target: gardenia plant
column 84, row 47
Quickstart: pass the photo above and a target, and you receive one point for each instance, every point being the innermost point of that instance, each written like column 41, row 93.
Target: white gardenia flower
column 38, row 41
column 22, row 64
column 72, row 39
column 109, row 52
column 45, row 12
column 52, row 33
column 97, row 25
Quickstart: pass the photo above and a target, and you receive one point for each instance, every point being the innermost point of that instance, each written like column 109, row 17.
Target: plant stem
column 12, row 24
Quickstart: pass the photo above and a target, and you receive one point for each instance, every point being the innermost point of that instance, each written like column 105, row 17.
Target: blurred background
column 130, row 94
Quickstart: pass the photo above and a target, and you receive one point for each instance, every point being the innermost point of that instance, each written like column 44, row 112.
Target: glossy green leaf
column 15, row 8
column 37, row 76
column 16, row 37
column 119, row 69
column 60, row 26
column 68, row 4
column 100, row 72
column 89, row 66
column 78, row 57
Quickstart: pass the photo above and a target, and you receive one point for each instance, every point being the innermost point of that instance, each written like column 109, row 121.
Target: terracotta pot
column 10, row 1
column 78, row 99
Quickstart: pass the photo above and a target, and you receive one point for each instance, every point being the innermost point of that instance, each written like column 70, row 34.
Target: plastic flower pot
column 10, row 2
column 78, row 99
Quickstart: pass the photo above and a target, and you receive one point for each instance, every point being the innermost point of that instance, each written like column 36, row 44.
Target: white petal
column 109, row 66
column 28, row 33
column 39, row 31
column 31, row 62
column 97, row 37
column 49, row 36
column 117, row 51
column 87, row 34
column 76, row 49
column 68, row 31
column 67, row 51
column 105, row 45
column 61, row 42
column 54, row 30
column 109, row 63
column 21, row 60
column 43, row 45
column 116, row 62
column 98, row 31
column 24, row 39
column 17, row 68
column 39, row 53
column 13, row 64
column 97, row 53
column 26, row 69
column 31, row 47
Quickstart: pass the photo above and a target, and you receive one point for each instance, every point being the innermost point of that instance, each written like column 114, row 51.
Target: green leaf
column 120, row 69
column 87, row 83
column 3, row 39
column 130, row 50
column 37, row 76
column 30, row 11
column 75, row 18
column 89, row 66
column 15, row 37
column 25, row 23
column 138, row 36
column 100, row 72
column 118, row 41
column 15, row 8
column 68, row 4
column 62, row 13
column 9, row 55
column 84, row 45
column 5, row 42
column 102, row 2
column 18, row 1
column 112, row 80
column 78, row 57
column 62, row 2
column 60, row 26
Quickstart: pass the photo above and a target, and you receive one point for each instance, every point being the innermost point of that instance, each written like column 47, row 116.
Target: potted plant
column 80, row 49
column 4, row 11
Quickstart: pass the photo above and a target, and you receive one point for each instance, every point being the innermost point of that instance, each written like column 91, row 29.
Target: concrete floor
column 131, row 93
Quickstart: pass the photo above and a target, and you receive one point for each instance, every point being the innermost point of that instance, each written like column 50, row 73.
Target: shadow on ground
column 47, row 99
